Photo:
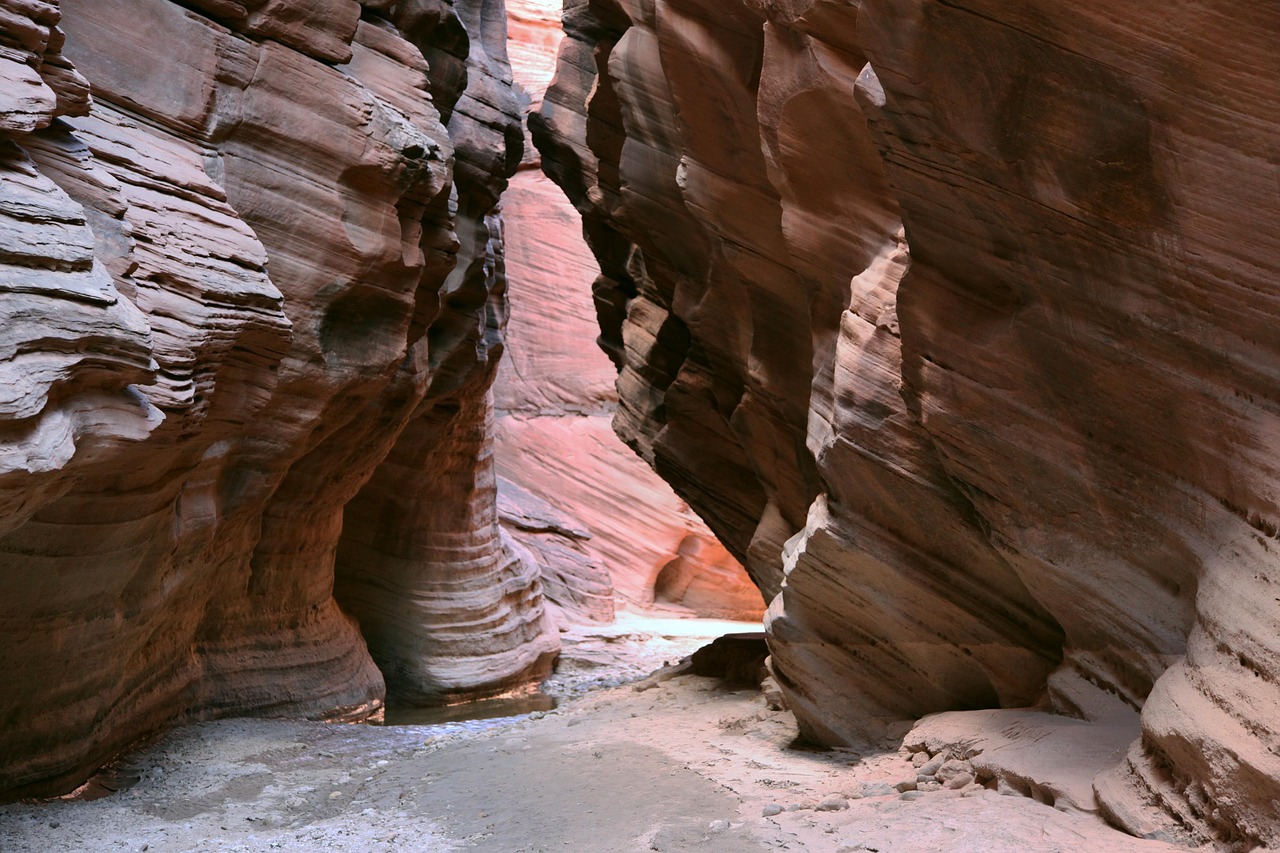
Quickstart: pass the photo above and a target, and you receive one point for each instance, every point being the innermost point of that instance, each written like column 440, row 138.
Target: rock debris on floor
column 686, row 765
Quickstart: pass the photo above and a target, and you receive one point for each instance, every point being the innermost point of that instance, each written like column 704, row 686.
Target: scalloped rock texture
column 957, row 322
column 597, row 518
column 251, row 304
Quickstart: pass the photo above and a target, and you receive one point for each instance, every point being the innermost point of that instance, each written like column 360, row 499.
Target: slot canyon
column 629, row 425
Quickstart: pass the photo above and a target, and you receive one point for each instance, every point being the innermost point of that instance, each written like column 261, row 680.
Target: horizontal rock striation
column 973, row 308
column 607, row 518
column 752, row 366
column 245, row 287
column 450, row 609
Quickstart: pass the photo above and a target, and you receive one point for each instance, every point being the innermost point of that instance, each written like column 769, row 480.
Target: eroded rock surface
column 555, row 399
column 252, row 303
column 972, row 307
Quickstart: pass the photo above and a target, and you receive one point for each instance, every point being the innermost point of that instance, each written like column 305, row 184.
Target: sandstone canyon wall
column 595, row 518
column 251, row 304
column 957, row 322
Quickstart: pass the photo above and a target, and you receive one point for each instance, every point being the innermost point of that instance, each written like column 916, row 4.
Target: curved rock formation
column 601, row 516
column 973, row 308
column 252, row 303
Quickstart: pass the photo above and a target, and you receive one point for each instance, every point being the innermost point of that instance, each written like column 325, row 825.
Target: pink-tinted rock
column 555, row 397
column 534, row 35
column 552, row 366
column 638, row 528
column 577, row 586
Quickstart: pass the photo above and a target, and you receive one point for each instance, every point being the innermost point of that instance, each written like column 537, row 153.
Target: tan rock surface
column 230, row 286
column 450, row 609
column 972, row 306
column 1048, row 757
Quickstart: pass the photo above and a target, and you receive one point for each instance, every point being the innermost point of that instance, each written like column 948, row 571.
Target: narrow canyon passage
column 639, row 425
column 625, row 763
column 591, row 514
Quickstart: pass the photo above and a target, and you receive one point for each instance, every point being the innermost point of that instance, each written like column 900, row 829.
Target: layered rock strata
column 252, row 303
column 591, row 512
column 956, row 322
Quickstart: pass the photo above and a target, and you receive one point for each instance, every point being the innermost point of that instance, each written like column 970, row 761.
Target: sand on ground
column 687, row 765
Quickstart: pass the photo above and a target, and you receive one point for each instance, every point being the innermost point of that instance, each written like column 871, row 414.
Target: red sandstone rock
column 576, row 585
column 230, row 287
column 750, row 377
column 973, row 306
column 1122, row 464
column 555, row 397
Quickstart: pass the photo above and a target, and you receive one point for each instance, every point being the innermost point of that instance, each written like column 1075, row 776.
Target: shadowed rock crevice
column 600, row 523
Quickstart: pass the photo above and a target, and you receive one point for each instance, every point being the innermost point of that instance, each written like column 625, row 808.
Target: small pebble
column 952, row 768
column 911, row 795
column 934, row 764
column 1007, row 790
column 833, row 803
column 930, row 786
column 770, row 809
column 905, row 785
column 794, row 807
column 718, row 825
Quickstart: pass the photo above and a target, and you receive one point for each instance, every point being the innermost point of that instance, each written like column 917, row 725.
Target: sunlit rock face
column 593, row 514
column 956, row 321
column 252, row 303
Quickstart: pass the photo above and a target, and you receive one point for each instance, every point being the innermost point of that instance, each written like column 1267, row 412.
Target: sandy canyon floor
column 685, row 765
